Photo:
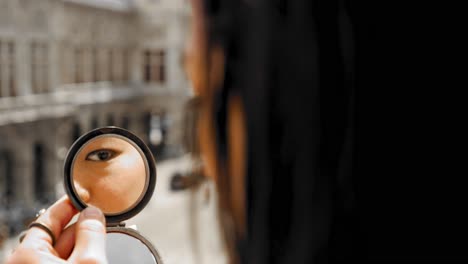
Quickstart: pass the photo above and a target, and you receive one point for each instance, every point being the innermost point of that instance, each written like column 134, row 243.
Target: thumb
column 90, row 246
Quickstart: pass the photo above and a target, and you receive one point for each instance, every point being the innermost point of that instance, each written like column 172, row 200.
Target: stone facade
column 68, row 66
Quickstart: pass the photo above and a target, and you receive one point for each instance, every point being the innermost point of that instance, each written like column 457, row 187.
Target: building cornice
column 113, row 5
column 69, row 99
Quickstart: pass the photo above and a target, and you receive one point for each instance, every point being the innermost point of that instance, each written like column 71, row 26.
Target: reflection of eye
column 101, row 155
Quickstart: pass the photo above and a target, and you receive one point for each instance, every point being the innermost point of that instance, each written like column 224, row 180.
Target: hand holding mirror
column 112, row 169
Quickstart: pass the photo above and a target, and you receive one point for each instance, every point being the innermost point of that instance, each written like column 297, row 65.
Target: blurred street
column 70, row 66
column 171, row 220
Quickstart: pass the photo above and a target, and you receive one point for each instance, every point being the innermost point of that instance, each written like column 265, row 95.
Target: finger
column 66, row 242
column 90, row 237
column 56, row 218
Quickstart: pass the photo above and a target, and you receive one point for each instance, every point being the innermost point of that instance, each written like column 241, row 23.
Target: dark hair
column 293, row 63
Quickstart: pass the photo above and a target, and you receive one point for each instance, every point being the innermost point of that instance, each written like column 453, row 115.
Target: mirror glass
column 110, row 172
column 134, row 251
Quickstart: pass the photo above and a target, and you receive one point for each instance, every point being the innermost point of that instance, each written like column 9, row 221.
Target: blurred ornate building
column 67, row 66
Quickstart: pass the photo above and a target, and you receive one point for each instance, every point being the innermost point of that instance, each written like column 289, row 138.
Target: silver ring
column 45, row 228
column 24, row 232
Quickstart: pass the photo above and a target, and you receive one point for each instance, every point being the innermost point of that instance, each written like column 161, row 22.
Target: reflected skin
column 109, row 173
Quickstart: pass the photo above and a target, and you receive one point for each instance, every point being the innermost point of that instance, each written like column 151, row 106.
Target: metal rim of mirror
column 109, row 130
column 135, row 234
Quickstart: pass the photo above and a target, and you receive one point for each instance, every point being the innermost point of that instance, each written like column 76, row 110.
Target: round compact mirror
column 112, row 169
column 110, row 172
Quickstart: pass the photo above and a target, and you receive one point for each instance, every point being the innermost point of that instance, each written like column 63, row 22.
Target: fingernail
column 92, row 212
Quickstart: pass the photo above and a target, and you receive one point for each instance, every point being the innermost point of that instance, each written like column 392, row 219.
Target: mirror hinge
column 121, row 224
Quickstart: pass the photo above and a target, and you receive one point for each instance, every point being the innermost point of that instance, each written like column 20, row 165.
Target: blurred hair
column 293, row 64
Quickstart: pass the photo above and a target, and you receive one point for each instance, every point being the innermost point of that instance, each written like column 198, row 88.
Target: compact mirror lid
column 112, row 169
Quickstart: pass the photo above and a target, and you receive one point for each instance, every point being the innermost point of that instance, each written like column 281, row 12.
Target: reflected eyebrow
column 111, row 143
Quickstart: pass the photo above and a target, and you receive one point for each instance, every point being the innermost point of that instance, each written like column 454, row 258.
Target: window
column 68, row 63
column 76, row 132
column 110, row 120
column 126, row 122
column 103, row 67
column 6, row 179
column 79, row 66
column 7, row 69
column 111, row 66
column 147, row 62
column 162, row 67
column 2, row 66
column 126, row 65
column 39, row 68
column 34, row 70
column 12, row 69
column 95, row 65
column 146, row 118
column 154, row 66
column 94, row 123
column 87, row 65
column 118, row 65
column 39, row 173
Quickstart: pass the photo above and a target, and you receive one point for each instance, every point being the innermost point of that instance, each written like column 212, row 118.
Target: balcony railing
column 67, row 98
